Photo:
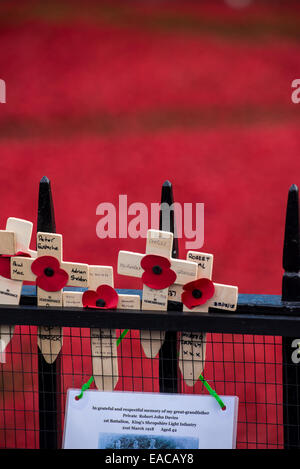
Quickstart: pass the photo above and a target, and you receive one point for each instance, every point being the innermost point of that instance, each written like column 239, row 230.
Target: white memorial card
column 134, row 420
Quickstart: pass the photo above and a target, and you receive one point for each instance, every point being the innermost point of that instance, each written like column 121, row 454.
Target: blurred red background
column 109, row 98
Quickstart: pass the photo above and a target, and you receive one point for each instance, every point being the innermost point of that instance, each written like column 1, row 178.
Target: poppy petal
column 5, row 266
column 22, row 254
column 89, row 299
column 109, row 295
column 151, row 260
column 190, row 286
column 54, row 283
column 41, row 263
column 206, row 288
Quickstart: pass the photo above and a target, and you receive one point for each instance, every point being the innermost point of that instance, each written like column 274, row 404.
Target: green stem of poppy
column 87, row 385
column 213, row 393
column 124, row 333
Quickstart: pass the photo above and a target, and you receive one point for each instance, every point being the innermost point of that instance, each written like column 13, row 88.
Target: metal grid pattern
column 248, row 366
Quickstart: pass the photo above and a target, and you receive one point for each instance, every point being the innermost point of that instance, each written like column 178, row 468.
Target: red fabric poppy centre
column 197, row 293
column 157, row 270
column 49, row 272
column 101, row 303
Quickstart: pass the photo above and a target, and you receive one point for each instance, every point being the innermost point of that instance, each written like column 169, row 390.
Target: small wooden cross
column 49, row 244
column 15, row 238
column 103, row 341
column 193, row 344
column 129, row 263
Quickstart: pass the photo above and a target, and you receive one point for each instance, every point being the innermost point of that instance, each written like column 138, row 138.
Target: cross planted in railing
column 51, row 274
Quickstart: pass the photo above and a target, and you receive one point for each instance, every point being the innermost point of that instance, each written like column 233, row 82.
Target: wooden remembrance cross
column 103, row 341
column 49, row 246
column 193, row 345
column 129, row 263
column 15, row 238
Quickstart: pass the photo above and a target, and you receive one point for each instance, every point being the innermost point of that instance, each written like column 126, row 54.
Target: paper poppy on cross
column 105, row 297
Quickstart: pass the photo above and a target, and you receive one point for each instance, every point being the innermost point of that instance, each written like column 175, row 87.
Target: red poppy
column 5, row 263
column 197, row 292
column 105, row 297
column 50, row 277
column 158, row 274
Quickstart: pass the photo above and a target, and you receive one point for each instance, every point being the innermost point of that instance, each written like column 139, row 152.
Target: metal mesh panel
column 247, row 366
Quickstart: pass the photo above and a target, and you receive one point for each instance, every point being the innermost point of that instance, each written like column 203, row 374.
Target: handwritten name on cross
column 49, row 244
